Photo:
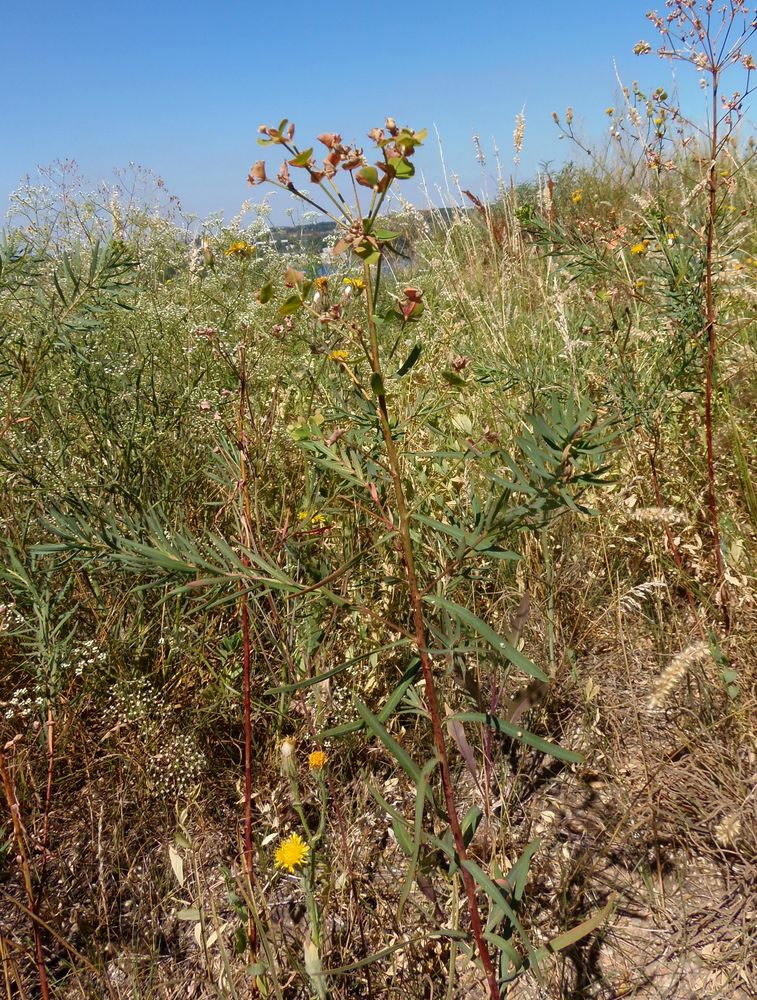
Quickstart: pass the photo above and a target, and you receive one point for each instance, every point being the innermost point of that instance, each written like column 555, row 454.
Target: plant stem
column 245, row 614
column 416, row 602
column 711, row 329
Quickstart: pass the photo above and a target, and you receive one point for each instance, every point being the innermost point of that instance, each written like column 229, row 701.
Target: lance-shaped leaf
column 522, row 735
column 497, row 642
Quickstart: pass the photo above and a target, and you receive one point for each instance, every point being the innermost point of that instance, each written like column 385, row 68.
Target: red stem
column 711, row 329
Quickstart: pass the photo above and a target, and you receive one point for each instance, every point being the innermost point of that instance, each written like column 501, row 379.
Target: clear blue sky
column 180, row 87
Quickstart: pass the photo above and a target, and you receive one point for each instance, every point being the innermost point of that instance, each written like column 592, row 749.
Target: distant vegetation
column 377, row 595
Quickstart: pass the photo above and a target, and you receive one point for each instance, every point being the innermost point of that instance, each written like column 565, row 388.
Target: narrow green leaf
column 496, row 641
column 497, row 896
column 569, row 938
column 402, row 757
column 410, row 361
column 310, row 681
column 522, row 735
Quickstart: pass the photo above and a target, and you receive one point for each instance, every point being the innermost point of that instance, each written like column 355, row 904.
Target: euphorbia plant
column 551, row 477
column 360, row 234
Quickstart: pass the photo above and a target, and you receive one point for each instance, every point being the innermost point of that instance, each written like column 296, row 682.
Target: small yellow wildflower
column 576, row 197
column 241, row 247
column 658, row 121
column 310, row 515
column 321, row 282
column 317, row 760
column 291, row 853
column 640, row 283
column 356, row 283
column 609, row 112
column 639, row 248
column 339, row 356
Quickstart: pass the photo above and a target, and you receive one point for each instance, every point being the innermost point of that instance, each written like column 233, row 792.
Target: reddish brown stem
column 246, row 522
column 711, row 330
column 416, row 602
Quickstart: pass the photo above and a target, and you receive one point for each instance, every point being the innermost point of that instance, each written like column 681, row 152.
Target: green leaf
column 522, row 735
column 401, row 832
column 367, row 252
column 377, row 385
column 302, row 159
column 319, row 678
column 266, row 293
column 498, row 897
column 290, row 305
column 402, row 757
column 369, row 176
column 563, row 941
column 496, row 641
column 420, row 801
column 519, row 872
column 403, row 168
column 385, row 235
column 454, row 379
column 409, row 361
column 408, row 679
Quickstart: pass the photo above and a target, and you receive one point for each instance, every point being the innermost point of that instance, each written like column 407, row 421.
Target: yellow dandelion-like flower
column 241, row 247
column 577, row 197
column 639, row 248
column 317, row 760
column 356, row 283
column 321, row 282
column 339, row 356
column 609, row 112
column 311, row 516
column 291, row 853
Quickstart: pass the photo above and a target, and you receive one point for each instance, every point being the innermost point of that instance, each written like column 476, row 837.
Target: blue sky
column 180, row 87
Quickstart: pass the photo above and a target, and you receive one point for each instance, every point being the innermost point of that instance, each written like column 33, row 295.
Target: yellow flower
column 639, row 248
column 241, row 247
column 317, row 760
column 339, row 356
column 291, row 853
column 576, row 197
column 609, row 112
column 658, row 120
column 310, row 515
column 321, row 282
column 357, row 283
